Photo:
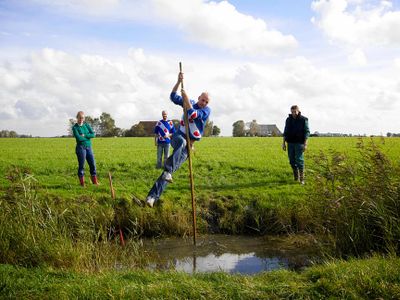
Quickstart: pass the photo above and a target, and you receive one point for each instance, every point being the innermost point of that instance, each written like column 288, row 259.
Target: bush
column 355, row 201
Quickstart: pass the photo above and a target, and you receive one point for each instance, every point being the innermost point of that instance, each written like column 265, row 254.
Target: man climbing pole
column 197, row 114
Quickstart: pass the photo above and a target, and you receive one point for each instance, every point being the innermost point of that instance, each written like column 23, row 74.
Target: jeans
column 296, row 155
column 162, row 148
column 172, row 164
column 85, row 153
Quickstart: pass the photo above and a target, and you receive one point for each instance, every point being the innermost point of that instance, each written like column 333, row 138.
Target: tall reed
column 355, row 201
column 39, row 230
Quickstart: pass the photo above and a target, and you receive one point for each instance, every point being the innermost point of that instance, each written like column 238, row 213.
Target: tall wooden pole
column 186, row 120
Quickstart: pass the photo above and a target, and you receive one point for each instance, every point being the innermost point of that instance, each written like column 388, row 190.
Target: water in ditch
column 230, row 254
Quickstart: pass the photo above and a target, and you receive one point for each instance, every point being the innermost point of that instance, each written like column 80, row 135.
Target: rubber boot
column 296, row 174
column 301, row 176
column 82, row 181
column 94, row 180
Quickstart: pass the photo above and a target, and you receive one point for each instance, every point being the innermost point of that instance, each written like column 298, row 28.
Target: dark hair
column 294, row 107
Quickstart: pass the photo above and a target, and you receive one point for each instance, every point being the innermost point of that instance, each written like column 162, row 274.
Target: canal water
column 230, row 254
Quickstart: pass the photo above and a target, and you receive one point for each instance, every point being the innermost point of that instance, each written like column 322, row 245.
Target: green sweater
column 84, row 130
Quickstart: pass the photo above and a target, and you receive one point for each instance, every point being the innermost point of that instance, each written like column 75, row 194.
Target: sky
column 338, row 60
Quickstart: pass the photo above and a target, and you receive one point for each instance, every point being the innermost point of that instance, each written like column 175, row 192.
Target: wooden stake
column 111, row 186
column 121, row 235
column 186, row 120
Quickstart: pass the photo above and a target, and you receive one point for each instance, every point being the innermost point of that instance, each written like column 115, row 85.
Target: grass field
column 249, row 168
column 350, row 204
column 231, row 175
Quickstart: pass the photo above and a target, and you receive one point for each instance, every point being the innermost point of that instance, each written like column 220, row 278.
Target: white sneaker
column 167, row 176
column 150, row 201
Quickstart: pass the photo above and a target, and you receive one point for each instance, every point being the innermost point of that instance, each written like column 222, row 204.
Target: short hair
column 294, row 107
column 164, row 112
column 207, row 94
column 80, row 113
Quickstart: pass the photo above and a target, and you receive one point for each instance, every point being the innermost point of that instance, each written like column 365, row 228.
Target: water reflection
column 230, row 263
column 231, row 254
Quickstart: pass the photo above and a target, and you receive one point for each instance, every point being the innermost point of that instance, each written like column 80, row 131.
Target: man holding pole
column 197, row 115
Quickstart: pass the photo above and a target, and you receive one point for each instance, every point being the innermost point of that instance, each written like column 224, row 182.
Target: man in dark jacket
column 295, row 135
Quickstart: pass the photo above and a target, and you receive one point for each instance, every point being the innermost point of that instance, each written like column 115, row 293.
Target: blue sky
column 338, row 60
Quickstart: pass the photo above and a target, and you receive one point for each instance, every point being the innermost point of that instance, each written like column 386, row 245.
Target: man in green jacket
column 83, row 134
column 295, row 135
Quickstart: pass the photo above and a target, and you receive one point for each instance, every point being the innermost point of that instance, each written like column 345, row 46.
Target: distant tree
column 137, row 130
column 107, row 125
column 95, row 124
column 208, row 128
column 254, row 129
column 4, row 133
column 129, row 132
column 71, row 123
column 12, row 134
column 216, row 131
column 389, row 134
column 238, row 128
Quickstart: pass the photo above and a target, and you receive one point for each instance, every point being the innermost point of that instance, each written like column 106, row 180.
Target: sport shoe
column 150, row 201
column 167, row 176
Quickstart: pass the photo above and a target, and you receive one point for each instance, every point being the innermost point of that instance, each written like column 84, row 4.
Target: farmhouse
column 254, row 129
column 269, row 130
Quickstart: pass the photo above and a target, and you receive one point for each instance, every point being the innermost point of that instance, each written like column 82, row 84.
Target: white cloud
column 39, row 93
column 397, row 62
column 53, row 85
column 358, row 22
column 220, row 25
column 357, row 58
column 217, row 25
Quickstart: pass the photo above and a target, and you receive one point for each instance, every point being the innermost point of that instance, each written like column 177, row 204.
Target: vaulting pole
column 189, row 148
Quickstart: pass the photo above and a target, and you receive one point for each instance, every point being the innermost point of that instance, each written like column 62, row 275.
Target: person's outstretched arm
column 176, row 86
column 174, row 96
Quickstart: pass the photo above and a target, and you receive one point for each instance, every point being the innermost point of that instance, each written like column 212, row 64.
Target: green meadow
column 255, row 169
column 61, row 240
column 242, row 185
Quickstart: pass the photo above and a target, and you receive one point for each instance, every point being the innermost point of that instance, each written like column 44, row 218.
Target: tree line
column 239, row 128
column 12, row 134
column 104, row 126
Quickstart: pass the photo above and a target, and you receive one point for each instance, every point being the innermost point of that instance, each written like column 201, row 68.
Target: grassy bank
column 374, row 278
column 243, row 185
